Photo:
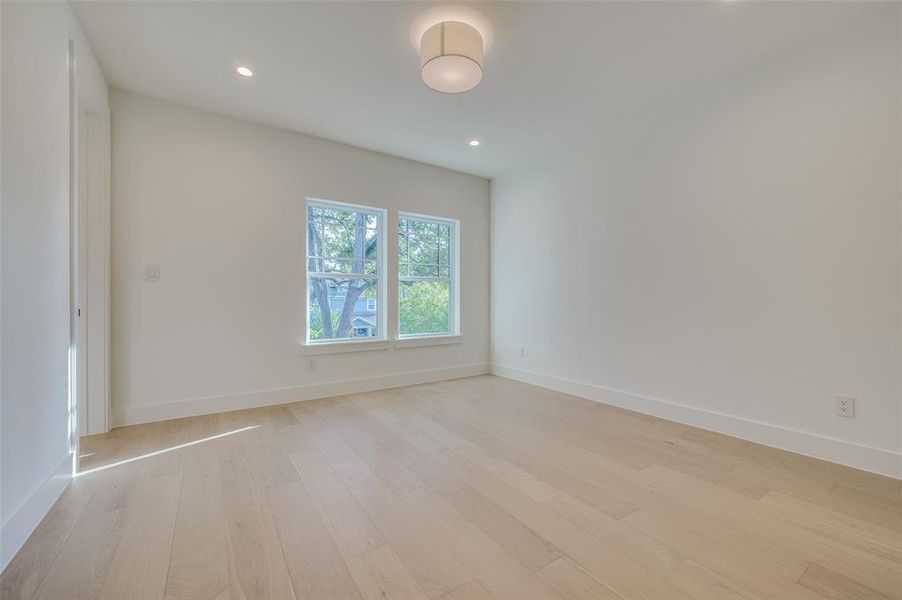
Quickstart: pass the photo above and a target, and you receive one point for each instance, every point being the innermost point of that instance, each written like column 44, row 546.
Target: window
column 427, row 290
column 345, row 250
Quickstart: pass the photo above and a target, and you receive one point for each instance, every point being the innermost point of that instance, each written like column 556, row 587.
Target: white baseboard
column 22, row 523
column 146, row 413
column 876, row 460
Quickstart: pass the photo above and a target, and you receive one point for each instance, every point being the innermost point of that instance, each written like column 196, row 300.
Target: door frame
column 89, row 263
column 74, row 273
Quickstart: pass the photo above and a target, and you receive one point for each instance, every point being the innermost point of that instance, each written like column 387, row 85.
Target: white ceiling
column 555, row 74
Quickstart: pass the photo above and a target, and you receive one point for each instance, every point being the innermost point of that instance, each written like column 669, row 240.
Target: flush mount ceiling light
column 245, row 72
column 451, row 57
column 474, row 143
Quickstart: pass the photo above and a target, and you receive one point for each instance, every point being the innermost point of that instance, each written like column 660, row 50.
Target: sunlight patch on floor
column 165, row 450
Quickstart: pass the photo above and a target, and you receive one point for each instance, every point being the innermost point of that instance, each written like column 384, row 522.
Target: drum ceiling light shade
column 451, row 57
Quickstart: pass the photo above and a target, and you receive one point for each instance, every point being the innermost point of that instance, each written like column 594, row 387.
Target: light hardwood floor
column 479, row 488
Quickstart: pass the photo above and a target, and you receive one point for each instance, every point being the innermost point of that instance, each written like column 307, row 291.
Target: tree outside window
column 426, row 275
column 344, row 248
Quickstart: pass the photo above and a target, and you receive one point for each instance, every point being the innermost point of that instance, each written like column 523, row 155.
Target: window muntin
column 426, row 277
column 345, row 252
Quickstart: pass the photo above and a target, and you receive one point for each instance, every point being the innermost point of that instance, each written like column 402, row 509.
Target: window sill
column 429, row 340
column 346, row 346
column 380, row 344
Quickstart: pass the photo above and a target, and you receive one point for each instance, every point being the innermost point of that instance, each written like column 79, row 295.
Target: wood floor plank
column 380, row 574
column 436, row 480
column 502, row 574
column 610, row 566
column 572, row 582
column 526, row 483
column 741, row 449
column 81, row 566
column 627, row 540
column 271, row 465
column 434, row 567
column 794, row 541
column 316, row 567
column 804, row 510
column 876, row 508
column 26, row 571
column 405, row 447
column 878, row 485
column 472, row 590
column 730, row 561
column 199, row 562
column 520, row 541
column 701, row 582
column 480, row 454
column 141, row 561
column 257, row 566
column 392, row 471
column 103, row 491
column 658, row 558
column 351, row 528
column 776, row 478
column 479, row 489
column 524, row 456
column 834, row 586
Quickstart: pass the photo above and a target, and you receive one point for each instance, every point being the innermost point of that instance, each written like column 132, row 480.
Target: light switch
column 152, row 272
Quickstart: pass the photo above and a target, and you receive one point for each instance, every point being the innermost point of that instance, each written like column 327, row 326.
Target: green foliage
column 424, row 248
column 315, row 322
column 342, row 241
column 424, row 307
column 339, row 241
column 316, row 319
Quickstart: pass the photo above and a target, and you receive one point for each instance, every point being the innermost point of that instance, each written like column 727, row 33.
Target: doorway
column 89, row 251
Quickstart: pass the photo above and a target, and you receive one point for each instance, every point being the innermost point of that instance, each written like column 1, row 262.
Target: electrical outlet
column 845, row 406
column 311, row 364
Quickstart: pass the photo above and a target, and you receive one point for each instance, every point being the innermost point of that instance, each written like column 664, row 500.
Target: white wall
column 34, row 310
column 732, row 261
column 218, row 204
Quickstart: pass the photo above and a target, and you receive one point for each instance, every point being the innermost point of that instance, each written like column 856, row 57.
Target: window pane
column 423, row 271
column 342, row 308
column 402, row 243
column 345, row 265
column 335, row 233
column 371, row 247
column 423, row 242
column 425, row 307
column 444, row 245
column 342, row 241
column 424, row 251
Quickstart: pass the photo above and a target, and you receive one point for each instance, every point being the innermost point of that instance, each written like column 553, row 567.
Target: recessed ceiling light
column 474, row 142
column 244, row 71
